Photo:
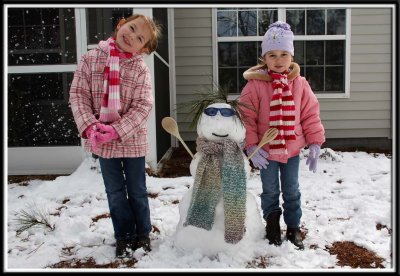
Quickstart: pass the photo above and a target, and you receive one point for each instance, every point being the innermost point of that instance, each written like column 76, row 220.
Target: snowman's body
column 209, row 242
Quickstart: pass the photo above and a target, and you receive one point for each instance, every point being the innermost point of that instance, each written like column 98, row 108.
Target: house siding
column 366, row 114
column 368, row 111
column 194, row 61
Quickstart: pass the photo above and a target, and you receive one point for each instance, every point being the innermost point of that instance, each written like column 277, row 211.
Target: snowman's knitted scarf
column 211, row 182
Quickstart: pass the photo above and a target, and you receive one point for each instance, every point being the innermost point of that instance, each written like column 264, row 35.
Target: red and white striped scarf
column 282, row 113
column 110, row 103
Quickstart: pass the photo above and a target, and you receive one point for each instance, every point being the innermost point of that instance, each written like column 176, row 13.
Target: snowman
column 218, row 213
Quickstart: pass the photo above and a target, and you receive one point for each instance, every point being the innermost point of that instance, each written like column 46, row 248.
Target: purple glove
column 259, row 159
column 313, row 156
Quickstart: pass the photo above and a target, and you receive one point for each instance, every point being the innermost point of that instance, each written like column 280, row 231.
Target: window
column 38, row 110
column 320, row 45
column 42, row 56
column 41, row 36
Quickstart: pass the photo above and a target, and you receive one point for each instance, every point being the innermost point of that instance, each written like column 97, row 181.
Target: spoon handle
column 186, row 147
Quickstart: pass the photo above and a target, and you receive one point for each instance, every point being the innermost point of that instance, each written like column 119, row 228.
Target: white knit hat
column 278, row 37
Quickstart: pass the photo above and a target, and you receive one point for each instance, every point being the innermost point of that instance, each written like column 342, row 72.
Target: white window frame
column 282, row 17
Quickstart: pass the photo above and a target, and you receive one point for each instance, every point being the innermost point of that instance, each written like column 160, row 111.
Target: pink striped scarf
column 110, row 103
column 282, row 113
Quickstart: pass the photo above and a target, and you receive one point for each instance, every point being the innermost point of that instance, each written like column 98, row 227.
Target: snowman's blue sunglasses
column 226, row 112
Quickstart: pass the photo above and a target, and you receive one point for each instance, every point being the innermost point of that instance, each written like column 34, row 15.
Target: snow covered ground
column 349, row 195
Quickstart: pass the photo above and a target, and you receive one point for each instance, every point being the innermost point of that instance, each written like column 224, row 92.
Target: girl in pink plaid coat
column 111, row 99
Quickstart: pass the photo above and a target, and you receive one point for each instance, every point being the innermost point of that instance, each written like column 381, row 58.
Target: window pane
column 299, row 51
column 315, row 22
column 296, row 20
column 247, row 23
column 266, row 18
column 334, row 79
column 228, row 79
column 227, row 54
column 227, row 23
column 247, row 53
column 315, row 77
column 242, row 81
column 335, row 50
column 41, row 36
column 38, row 110
column 336, row 22
column 102, row 22
column 314, row 52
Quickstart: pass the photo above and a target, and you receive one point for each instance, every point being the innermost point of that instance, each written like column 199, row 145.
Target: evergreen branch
column 216, row 94
column 33, row 217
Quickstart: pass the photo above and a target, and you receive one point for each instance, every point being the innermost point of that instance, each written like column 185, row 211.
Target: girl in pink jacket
column 111, row 99
column 284, row 100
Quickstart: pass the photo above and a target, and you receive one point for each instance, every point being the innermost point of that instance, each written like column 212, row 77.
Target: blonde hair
column 155, row 30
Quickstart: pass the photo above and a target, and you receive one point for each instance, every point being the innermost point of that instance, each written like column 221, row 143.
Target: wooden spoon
column 269, row 135
column 170, row 126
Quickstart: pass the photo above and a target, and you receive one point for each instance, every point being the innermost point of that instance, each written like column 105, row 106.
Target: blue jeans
column 125, row 183
column 289, row 177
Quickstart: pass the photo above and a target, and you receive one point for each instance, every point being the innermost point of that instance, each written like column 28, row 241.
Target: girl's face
column 277, row 60
column 132, row 36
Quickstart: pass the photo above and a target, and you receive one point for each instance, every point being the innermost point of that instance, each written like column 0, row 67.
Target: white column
column 151, row 158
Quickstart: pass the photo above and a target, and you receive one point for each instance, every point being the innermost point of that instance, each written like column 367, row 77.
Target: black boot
column 294, row 236
column 142, row 242
column 273, row 228
column 121, row 248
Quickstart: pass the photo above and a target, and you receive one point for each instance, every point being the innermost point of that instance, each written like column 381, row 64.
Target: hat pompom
column 280, row 24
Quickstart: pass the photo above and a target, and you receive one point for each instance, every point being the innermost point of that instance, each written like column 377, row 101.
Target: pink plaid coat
column 136, row 103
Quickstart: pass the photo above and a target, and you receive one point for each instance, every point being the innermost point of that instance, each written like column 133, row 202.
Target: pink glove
column 104, row 128
column 259, row 159
column 313, row 156
column 105, row 133
column 105, row 137
column 88, row 131
column 91, row 133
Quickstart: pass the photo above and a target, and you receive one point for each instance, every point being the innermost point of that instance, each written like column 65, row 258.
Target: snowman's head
column 219, row 121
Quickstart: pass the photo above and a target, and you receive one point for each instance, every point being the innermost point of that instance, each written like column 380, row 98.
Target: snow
column 343, row 201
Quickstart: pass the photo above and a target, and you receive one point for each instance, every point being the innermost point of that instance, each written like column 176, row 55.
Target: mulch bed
column 350, row 254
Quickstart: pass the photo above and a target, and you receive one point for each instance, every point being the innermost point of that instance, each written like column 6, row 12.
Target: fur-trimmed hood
column 255, row 73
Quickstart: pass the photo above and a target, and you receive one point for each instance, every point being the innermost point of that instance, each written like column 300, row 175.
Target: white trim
column 281, row 14
column 297, row 37
column 348, row 54
column 172, row 70
column 214, row 48
column 81, row 43
column 163, row 60
column 44, row 160
column 151, row 157
column 56, row 68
